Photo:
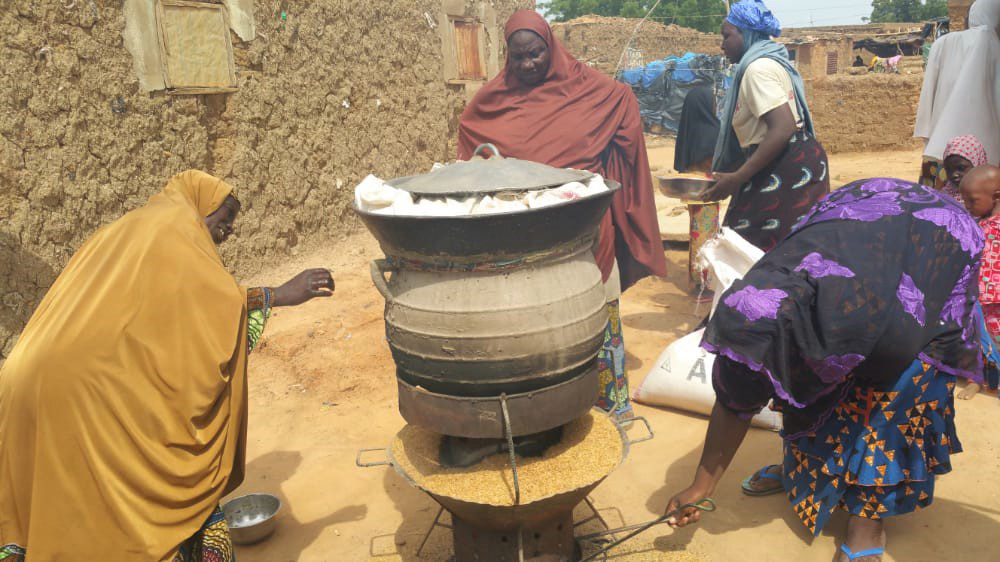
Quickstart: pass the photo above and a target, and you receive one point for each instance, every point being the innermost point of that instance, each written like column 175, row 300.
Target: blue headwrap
column 758, row 25
column 753, row 15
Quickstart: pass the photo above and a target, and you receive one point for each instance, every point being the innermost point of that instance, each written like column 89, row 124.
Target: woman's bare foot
column 969, row 391
column 759, row 485
column 863, row 534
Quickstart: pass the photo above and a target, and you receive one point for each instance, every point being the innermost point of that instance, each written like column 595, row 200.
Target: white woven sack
column 682, row 378
column 727, row 257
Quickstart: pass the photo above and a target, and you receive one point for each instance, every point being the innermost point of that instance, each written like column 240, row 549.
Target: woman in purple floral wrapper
column 857, row 326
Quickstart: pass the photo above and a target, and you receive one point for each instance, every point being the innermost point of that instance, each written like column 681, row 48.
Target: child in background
column 961, row 154
column 980, row 191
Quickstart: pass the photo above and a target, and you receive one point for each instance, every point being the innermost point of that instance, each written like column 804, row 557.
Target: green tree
column 703, row 15
column 884, row 11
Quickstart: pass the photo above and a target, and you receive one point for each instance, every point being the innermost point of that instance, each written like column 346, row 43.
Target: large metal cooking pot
column 486, row 333
column 484, row 305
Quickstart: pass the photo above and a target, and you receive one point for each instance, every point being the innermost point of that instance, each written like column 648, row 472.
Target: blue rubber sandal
column 861, row 554
column 765, row 474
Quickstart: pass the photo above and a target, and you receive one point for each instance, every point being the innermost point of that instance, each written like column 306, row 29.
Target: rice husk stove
column 495, row 322
column 504, row 510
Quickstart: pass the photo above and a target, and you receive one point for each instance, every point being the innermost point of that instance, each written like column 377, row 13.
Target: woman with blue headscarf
column 766, row 157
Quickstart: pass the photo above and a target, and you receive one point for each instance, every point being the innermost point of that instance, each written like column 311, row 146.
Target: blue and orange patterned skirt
column 614, row 394
column 877, row 454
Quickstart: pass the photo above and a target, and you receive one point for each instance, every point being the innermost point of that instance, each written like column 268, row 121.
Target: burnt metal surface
column 464, row 452
column 491, row 378
column 482, row 176
column 481, row 417
column 688, row 189
column 489, row 238
column 550, row 541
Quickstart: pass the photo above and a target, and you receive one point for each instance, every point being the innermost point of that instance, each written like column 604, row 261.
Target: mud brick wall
column 958, row 11
column 599, row 41
column 335, row 91
column 868, row 113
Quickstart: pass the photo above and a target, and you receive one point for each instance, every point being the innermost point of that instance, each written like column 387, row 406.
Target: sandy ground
column 322, row 387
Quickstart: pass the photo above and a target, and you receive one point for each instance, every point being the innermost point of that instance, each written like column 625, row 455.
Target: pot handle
column 491, row 147
column 378, row 269
column 645, row 422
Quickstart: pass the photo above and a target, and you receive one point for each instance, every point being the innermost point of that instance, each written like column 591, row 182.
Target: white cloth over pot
column 375, row 196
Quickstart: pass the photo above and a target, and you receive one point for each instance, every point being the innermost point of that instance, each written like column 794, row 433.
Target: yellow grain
column 590, row 449
column 640, row 552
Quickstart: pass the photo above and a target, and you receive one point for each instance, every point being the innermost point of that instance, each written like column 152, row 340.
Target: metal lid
column 481, row 176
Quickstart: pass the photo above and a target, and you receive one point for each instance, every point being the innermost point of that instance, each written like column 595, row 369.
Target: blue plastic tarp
column 632, row 76
column 662, row 85
column 653, row 71
column 682, row 72
column 679, row 68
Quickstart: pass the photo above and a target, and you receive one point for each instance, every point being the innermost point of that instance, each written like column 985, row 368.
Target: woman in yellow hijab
column 123, row 406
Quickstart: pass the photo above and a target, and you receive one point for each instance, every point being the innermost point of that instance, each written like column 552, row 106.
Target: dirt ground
column 322, row 387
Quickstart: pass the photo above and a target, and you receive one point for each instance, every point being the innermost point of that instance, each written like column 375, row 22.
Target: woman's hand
column 305, row 286
column 726, row 430
column 688, row 515
column 726, row 185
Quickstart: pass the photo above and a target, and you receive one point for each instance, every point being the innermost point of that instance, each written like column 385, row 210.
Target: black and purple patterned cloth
column 765, row 210
column 877, row 275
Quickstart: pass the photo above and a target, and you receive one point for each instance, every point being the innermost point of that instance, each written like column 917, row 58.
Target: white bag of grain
column 727, row 257
column 682, row 378
column 682, row 375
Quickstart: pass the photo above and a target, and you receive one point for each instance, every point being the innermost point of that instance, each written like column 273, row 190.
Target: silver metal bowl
column 689, row 189
column 251, row 517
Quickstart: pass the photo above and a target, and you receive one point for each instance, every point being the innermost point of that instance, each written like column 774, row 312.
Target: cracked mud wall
column 599, row 41
column 336, row 90
column 866, row 113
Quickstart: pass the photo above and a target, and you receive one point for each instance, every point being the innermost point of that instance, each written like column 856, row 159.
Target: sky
column 807, row 13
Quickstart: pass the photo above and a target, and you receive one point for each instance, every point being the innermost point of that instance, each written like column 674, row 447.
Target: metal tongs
column 706, row 504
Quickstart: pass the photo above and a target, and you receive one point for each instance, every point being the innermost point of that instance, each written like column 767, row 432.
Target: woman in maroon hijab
column 548, row 107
